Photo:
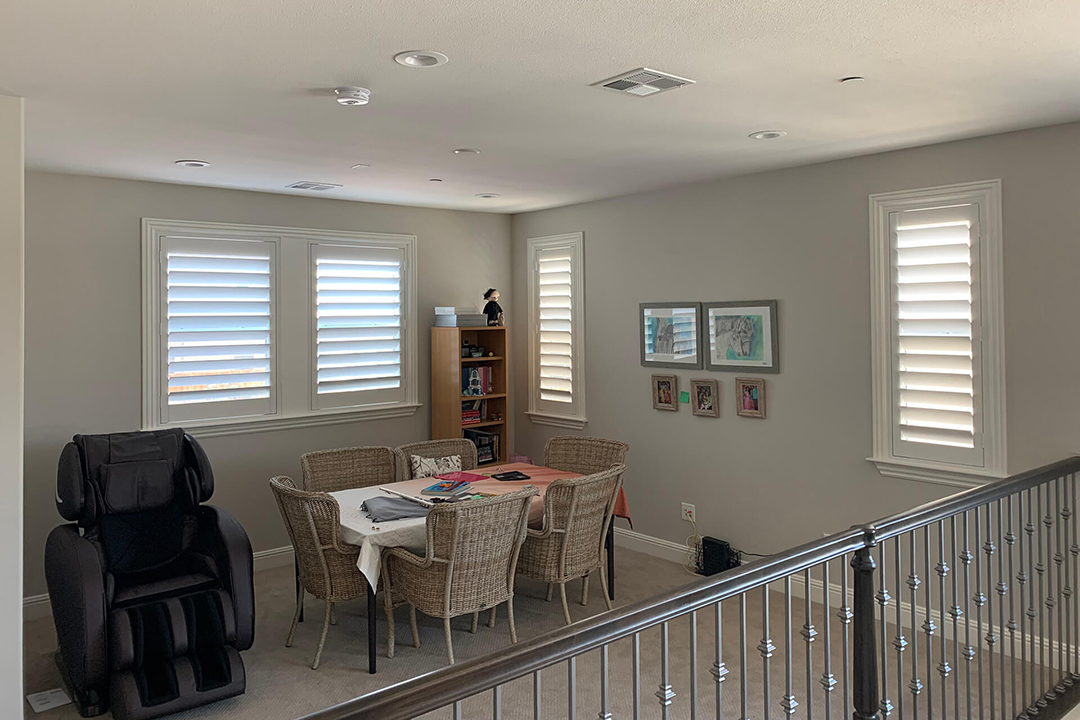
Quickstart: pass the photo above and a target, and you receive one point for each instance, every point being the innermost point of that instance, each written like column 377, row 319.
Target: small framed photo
column 742, row 336
column 705, row 398
column 665, row 392
column 671, row 335
column 750, row 397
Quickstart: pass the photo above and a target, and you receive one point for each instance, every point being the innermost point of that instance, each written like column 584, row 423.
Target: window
column 248, row 327
column 939, row 377
column 557, row 343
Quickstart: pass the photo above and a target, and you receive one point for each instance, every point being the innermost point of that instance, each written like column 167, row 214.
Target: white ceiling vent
column 643, row 81
column 313, row 186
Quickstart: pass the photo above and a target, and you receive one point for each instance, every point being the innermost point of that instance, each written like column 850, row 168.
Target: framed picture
column 665, row 392
column 705, row 398
column 671, row 335
column 742, row 336
column 750, row 397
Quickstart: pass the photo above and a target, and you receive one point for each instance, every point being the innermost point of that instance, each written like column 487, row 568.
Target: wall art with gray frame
column 742, row 336
column 671, row 335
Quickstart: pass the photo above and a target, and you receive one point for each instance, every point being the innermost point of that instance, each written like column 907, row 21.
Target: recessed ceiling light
column 434, row 179
column 360, row 166
column 193, row 163
column 420, row 58
column 768, row 134
column 852, row 78
column 467, row 151
column 487, row 195
column 352, row 96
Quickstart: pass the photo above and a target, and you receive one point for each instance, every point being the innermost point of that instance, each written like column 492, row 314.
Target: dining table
column 411, row 533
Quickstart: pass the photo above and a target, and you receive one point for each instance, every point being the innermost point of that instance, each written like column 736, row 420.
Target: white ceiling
column 125, row 87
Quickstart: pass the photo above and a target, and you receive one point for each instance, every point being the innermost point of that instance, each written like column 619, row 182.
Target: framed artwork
column 705, row 398
column 742, row 336
column 671, row 335
column 750, row 397
column 665, row 392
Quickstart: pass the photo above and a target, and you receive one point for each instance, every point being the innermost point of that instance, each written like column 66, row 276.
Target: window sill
column 560, row 421
column 246, row 426
column 936, row 473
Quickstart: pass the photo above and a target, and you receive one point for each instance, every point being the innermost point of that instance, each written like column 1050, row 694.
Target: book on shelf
column 487, row 445
column 440, row 310
column 456, row 320
column 477, row 380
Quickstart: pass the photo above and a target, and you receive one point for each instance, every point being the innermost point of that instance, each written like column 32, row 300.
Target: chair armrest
column 223, row 537
column 407, row 556
column 75, row 574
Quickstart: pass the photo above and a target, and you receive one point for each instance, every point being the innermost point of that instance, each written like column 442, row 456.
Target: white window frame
column 990, row 348
column 293, row 328
column 540, row 412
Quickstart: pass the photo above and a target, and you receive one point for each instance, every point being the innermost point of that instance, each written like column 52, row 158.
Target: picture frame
column 665, row 392
column 750, row 397
column 705, row 398
column 671, row 335
column 743, row 336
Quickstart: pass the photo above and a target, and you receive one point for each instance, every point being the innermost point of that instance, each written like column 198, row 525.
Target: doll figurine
column 493, row 310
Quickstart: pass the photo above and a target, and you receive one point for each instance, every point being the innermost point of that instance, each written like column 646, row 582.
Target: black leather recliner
column 151, row 591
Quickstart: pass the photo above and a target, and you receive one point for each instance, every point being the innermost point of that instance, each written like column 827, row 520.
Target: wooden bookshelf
column 446, row 390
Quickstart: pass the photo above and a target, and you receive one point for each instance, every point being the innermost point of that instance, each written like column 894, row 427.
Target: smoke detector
column 351, row 96
column 313, row 186
column 643, row 82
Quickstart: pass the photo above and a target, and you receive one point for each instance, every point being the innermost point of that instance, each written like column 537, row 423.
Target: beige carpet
column 282, row 686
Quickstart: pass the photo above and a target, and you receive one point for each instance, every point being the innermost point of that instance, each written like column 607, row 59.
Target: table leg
column 371, row 639
column 611, row 559
column 296, row 572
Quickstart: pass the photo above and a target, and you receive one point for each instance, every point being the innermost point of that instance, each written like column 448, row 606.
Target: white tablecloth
column 357, row 529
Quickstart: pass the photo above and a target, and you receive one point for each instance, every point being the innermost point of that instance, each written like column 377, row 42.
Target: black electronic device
column 717, row 556
column 511, row 475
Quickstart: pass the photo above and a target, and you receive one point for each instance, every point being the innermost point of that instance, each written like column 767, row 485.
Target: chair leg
column 585, row 590
column 475, row 621
column 551, row 586
column 491, row 620
column 510, row 612
column 604, row 586
column 389, row 628
column 322, row 640
column 296, row 617
column 565, row 607
column 449, row 642
column 333, row 614
column 412, row 626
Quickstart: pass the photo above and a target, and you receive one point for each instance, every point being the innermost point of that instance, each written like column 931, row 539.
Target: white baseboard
column 639, row 542
column 36, row 607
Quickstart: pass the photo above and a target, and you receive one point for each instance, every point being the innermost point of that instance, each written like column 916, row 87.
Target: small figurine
column 493, row 310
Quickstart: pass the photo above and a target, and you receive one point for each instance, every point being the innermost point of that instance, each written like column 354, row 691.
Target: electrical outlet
column 689, row 514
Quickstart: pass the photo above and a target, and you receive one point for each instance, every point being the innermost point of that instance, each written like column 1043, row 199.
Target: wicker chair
column 327, row 566
column 577, row 512
column 471, row 559
column 435, row 449
column 584, row 455
column 332, row 470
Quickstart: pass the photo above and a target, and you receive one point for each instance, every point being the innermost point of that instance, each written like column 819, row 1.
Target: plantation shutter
column 218, row 327
column 554, row 269
column 937, row 390
column 359, row 318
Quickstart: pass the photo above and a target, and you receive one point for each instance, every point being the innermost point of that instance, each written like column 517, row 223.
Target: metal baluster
column 1022, row 581
column 719, row 669
column 636, row 660
column 693, row 666
column 571, row 688
column 969, row 652
column 828, row 682
column 1010, row 540
column 1001, row 588
column 955, row 613
column 1029, row 530
column 536, row 696
column 664, row 694
column 789, row 704
column 928, row 626
column 1040, row 569
column 1049, row 602
column 744, row 688
column 808, row 634
column 605, row 709
column 457, row 710
column 766, row 648
column 980, row 600
column 942, row 570
column 496, row 703
column 1059, row 560
column 913, row 582
column 883, row 599
column 899, row 641
column 1066, row 591
column 991, row 639
column 845, row 615
column 1074, row 550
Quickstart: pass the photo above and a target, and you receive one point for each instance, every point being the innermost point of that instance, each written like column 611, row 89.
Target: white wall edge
column 649, row 545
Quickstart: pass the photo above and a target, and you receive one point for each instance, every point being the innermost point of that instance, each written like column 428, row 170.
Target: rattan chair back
column 435, row 449
column 346, row 468
column 584, row 455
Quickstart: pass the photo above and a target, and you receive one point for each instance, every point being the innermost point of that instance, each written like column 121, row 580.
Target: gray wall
column 801, row 236
column 83, row 346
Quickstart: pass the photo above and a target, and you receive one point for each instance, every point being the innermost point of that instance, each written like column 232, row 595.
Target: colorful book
column 446, row 488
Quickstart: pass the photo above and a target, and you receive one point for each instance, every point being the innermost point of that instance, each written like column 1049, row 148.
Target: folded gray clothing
column 385, row 509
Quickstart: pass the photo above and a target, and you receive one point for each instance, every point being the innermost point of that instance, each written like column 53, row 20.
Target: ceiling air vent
column 313, row 186
column 643, row 81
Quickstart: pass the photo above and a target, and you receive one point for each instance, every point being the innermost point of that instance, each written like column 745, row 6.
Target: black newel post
column 864, row 653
